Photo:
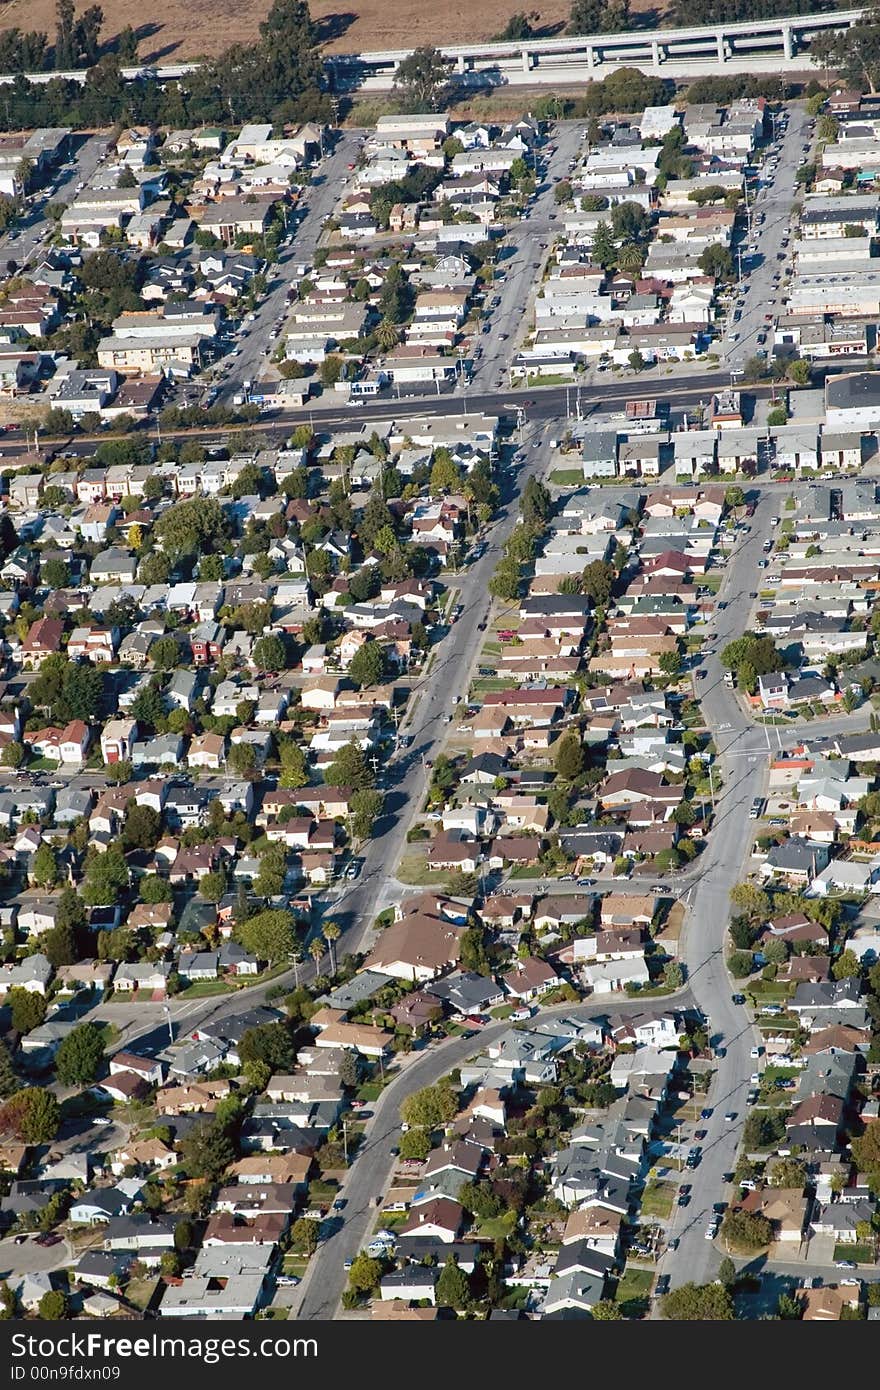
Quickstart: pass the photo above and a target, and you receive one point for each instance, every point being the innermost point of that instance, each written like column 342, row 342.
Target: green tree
column 569, row 758
column 44, row 867
column 294, row 766
column 606, row 1310
column 727, row 1273
column 270, row 935
column 422, row 78
column 80, row 1055
column 604, row 245
column 847, row 966
column 208, row 1149
column 415, row 1144
column 366, row 807
column 271, row 1043
column 31, row 1115
column 53, row 1306
column 305, row 1235
column 744, row 1230
column 105, row 878
column 698, row 1303
column 350, row 769
column 270, row 653
column 740, row 964
column 28, row 1010
column 453, row 1288
column 597, row 581
column 142, row 827
column 368, row 665
column 430, row 1108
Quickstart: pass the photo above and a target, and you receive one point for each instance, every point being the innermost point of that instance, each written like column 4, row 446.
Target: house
column 530, row 978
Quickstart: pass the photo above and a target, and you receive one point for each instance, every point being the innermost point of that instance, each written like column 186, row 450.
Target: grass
column 502, row 1011
column 276, row 1314
column 295, row 1264
column 140, row 1291
column 862, row 1254
column 567, row 477
column 633, row 1291
column 498, row 1227
column 370, row 1091
column 657, row 1200
column 205, row 989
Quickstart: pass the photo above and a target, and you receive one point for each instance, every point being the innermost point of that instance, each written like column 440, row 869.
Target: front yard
column 657, row 1200
column 634, row 1291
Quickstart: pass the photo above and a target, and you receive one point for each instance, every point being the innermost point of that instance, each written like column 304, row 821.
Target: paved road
column 32, row 230
column 521, row 257
column 316, row 205
column 369, row 1175
column 761, row 294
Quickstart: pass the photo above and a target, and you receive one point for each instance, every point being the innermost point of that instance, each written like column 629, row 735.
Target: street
column 761, row 284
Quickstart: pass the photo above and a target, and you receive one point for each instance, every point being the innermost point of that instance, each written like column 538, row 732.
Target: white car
column 710, row 1232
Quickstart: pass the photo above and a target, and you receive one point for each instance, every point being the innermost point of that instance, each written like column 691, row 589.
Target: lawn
column 567, row 477
column 370, row 1091
column 633, row 1291
column 657, row 1200
column 139, row 1292
column 862, row 1254
column 502, row 1011
column 205, row 989
column 498, row 1227
column 295, row 1264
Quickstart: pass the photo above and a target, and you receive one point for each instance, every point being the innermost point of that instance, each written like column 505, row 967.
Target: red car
column 48, row 1239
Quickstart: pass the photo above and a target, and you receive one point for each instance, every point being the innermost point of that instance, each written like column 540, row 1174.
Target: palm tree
column 316, row 951
column 630, row 258
column 386, row 335
column 331, row 933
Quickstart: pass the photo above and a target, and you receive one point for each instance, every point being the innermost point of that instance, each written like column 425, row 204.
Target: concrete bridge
column 772, row 45
column 768, row 45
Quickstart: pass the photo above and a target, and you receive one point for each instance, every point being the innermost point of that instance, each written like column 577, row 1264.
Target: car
column 519, row 1014
column 719, row 1208
column 710, row 1232
column 706, row 1113
column 351, row 166
column 287, row 1281
column 730, row 1116
column 755, row 1078
column 756, row 1051
column 585, row 882
column 658, row 888
column 699, row 1134
column 662, row 1285
column 673, row 1244
column 685, row 1187
column 340, row 1203
column 20, row 1240
column 845, row 1264
column 701, row 675
column 347, row 1264
column 48, row 1239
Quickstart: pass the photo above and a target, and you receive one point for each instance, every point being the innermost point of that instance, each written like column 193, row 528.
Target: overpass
column 772, row 45
column 767, row 45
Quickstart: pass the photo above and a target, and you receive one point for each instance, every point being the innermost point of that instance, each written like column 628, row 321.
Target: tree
column 421, row 79
column 789, row 1308
column 31, row 1115
column 453, row 1289
column 727, row 1273
column 106, row 877
column 597, row 581
column 445, row 476
column 846, row 967
column 745, row 1230
column 368, row 665
column 364, row 1274
column 366, row 807
column 142, row 827
column 212, row 886
column 740, row 964
column 294, row 766
column 751, row 900
column 191, row 527
column 698, row 1303
column 569, row 757
column 350, row 768
column 473, row 951
column 854, row 54
column 269, row 935
column 430, row 1108
column 716, row 260
column 44, row 867
column 606, row 1310
column 305, row 1235
column 28, row 1010
column 673, row 976
column 80, row 1055
column 562, row 191
column 165, row 653
column 271, row 1043
column 604, row 245
column 415, row 1144
column 270, row 653
column 9, row 1082
column 53, row 1306
column 670, row 664
column 207, row 1150
column 55, row 573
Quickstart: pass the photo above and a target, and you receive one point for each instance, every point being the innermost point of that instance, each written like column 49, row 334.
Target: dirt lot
column 189, row 28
